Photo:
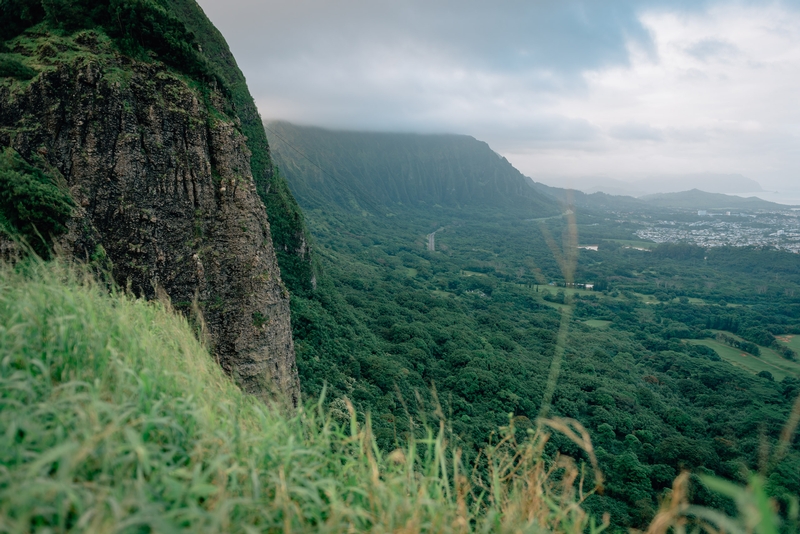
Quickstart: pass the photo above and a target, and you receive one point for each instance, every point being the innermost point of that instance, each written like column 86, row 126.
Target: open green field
column 768, row 361
column 555, row 305
column 647, row 299
column 771, row 357
column 792, row 341
column 791, row 368
column 597, row 323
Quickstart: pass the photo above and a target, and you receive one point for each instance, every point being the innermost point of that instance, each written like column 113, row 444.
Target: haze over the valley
column 639, row 95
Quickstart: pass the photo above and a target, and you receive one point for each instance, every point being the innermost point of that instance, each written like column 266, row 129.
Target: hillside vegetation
column 485, row 319
column 657, row 203
column 377, row 172
column 700, row 200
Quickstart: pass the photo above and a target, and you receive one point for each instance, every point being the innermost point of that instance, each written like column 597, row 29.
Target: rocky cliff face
column 164, row 188
column 289, row 233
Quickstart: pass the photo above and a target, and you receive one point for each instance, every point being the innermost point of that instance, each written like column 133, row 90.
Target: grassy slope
column 742, row 360
column 791, row 341
column 113, row 417
column 768, row 360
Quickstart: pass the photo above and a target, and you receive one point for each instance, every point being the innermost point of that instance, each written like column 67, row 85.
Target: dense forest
column 677, row 358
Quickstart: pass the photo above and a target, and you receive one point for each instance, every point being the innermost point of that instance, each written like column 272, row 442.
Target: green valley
column 474, row 326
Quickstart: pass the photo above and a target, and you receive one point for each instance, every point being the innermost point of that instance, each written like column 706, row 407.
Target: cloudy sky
column 620, row 88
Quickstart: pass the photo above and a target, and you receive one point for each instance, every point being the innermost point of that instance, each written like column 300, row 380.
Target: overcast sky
column 620, row 88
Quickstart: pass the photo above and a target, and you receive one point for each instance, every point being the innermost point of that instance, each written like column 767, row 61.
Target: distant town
column 779, row 229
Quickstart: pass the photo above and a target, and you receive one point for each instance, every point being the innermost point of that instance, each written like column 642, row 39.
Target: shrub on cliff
column 139, row 27
column 32, row 205
column 11, row 67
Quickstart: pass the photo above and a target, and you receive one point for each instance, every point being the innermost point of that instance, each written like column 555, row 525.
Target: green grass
column 789, row 367
column 740, row 359
column 597, row 323
column 647, row 299
column 771, row 358
column 768, row 361
column 792, row 341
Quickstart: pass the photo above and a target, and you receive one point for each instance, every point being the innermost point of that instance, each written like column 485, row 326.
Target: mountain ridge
column 697, row 199
column 728, row 184
column 376, row 171
column 693, row 199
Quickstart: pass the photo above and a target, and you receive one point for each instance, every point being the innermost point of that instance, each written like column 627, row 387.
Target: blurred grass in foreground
column 114, row 418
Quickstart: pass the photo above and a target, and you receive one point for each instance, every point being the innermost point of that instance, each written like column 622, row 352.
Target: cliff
column 290, row 235
column 160, row 174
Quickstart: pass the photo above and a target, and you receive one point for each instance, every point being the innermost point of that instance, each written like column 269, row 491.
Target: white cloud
column 632, row 131
column 720, row 94
column 711, row 49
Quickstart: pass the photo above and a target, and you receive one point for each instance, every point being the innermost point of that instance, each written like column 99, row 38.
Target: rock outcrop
column 161, row 177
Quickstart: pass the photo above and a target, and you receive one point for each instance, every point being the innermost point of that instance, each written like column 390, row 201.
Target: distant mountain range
column 372, row 171
column 578, row 198
column 376, row 172
column 654, row 184
column 699, row 200
column 693, row 199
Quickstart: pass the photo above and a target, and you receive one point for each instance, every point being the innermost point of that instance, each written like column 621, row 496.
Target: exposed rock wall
column 163, row 185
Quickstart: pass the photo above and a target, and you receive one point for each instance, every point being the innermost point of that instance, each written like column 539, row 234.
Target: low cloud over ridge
column 570, row 87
